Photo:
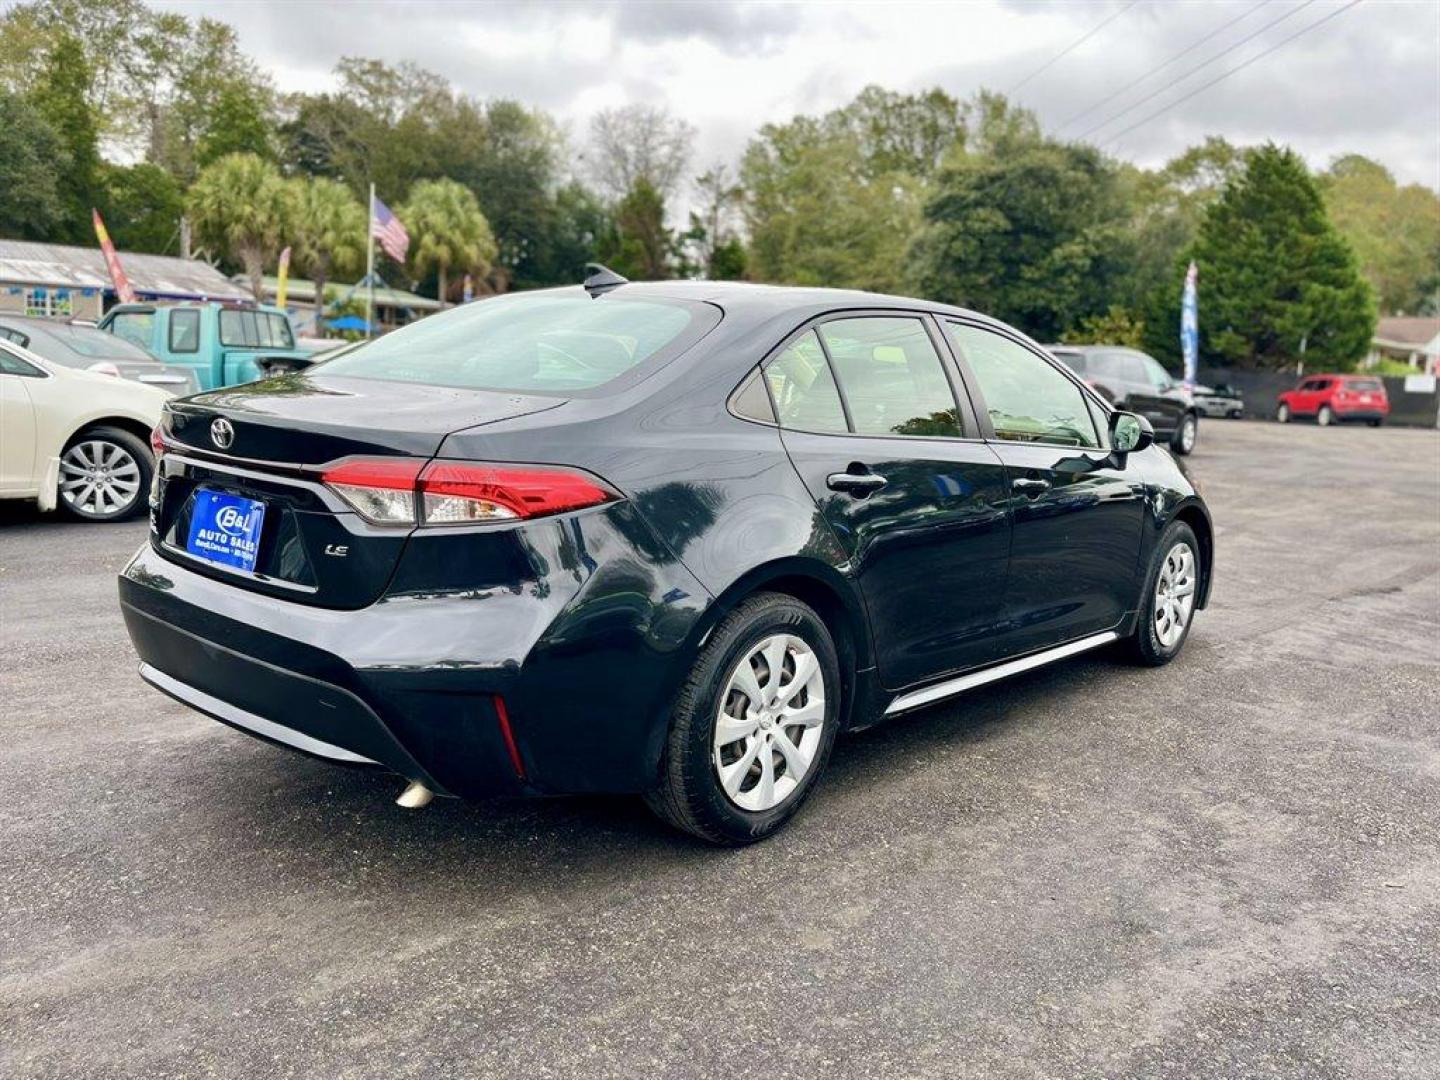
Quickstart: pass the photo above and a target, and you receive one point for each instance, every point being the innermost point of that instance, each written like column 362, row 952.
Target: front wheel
column 104, row 475
column 1185, row 434
column 1282, row 414
column 752, row 727
column 1171, row 588
column 1326, row 416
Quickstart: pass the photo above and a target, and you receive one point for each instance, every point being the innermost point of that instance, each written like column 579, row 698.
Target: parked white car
column 74, row 439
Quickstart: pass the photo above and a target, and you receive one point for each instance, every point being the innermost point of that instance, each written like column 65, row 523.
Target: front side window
column 536, row 343
column 1156, row 375
column 891, row 376
column 135, row 327
column 803, row 388
column 184, row 330
column 1028, row 399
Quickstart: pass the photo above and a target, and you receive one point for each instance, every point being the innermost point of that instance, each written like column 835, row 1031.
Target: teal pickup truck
column 224, row 344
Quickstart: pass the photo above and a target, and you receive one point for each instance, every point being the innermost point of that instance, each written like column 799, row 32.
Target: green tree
column 328, row 231
column 241, row 207
column 142, row 205
column 576, row 224
column 640, row 247
column 237, row 123
column 60, row 97
column 1035, row 236
column 31, row 158
column 1393, row 230
column 817, row 215
column 1277, row 281
column 1115, row 327
column 447, row 231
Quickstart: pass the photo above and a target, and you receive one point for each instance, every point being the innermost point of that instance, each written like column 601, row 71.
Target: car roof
column 750, row 301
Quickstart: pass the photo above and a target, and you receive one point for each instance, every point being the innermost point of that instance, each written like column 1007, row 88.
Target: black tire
column 1326, row 416
column 1186, row 435
column 1144, row 646
column 689, row 795
column 134, row 449
column 1374, row 423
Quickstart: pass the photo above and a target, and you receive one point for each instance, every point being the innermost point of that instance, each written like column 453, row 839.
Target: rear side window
column 891, row 377
column 531, row 343
column 1028, row 399
column 803, row 387
column 280, row 332
column 137, row 327
column 184, row 330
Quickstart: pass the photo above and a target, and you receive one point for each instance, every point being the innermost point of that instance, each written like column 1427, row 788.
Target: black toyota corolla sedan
column 666, row 538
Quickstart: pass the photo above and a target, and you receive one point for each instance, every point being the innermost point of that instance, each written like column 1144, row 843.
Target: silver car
column 77, row 345
column 1222, row 401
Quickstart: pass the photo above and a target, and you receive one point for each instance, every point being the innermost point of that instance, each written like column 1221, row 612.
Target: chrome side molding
column 925, row 695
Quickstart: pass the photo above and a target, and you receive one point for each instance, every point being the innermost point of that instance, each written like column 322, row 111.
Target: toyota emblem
column 222, row 433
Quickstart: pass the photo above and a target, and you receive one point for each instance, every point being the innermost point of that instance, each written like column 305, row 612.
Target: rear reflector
column 403, row 491
column 503, row 715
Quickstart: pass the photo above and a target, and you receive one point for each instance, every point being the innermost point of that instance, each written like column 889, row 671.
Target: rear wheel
column 104, row 475
column 1374, row 423
column 753, row 725
column 1325, row 417
column 1185, row 435
column 1282, row 414
column 1171, row 588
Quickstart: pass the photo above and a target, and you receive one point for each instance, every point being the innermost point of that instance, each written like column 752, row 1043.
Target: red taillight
column 384, row 491
column 157, row 441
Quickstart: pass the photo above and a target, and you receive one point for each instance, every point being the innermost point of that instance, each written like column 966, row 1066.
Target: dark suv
column 663, row 538
column 1135, row 382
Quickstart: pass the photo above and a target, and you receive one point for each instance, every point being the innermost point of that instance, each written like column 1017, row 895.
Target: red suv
column 1330, row 398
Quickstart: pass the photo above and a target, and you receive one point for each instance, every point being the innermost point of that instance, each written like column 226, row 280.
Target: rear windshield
column 535, row 343
column 95, row 344
column 255, row 330
column 1364, row 385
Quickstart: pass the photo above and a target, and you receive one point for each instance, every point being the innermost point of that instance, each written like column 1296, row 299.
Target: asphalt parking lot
column 1228, row 867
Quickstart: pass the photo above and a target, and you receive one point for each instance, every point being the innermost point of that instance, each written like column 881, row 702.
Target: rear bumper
column 1342, row 413
column 582, row 663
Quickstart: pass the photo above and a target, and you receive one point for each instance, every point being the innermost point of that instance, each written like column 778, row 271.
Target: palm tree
column 328, row 232
column 241, row 206
column 447, row 230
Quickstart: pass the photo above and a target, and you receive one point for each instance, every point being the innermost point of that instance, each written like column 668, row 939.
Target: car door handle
column 858, row 484
column 1031, row 487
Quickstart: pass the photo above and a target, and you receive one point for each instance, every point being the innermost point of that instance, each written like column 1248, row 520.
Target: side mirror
column 1129, row 432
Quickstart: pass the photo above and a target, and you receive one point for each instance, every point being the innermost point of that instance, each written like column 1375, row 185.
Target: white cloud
column 1367, row 81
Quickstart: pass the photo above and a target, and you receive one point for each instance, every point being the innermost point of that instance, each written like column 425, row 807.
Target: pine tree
column 60, row 97
column 1276, row 278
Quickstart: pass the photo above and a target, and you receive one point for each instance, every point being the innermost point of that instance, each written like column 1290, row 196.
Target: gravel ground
column 1228, row 867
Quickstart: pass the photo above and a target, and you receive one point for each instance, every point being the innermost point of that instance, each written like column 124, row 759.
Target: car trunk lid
column 262, row 449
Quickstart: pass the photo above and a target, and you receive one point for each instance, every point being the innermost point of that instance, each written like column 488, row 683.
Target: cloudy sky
column 1366, row 79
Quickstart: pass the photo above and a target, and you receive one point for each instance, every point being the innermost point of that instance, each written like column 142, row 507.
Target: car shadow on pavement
column 321, row 817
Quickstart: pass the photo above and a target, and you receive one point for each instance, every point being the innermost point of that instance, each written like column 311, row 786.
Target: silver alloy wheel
column 1283, row 414
column 767, row 729
column 1174, row 594
column 1187, row 433
column 1325, row 416
column 99, row 478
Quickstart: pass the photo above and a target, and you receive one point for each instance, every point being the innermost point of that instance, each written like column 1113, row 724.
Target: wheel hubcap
column 1187, row 435
column 767, row 730
column 1174, row 594
column 99, row 478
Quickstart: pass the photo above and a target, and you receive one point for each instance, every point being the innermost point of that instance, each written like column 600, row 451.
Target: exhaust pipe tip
column 415, row 796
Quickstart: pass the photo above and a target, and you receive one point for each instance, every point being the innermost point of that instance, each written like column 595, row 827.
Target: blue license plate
column 225, row 529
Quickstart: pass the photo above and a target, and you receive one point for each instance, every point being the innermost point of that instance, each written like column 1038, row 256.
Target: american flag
column 386, row 228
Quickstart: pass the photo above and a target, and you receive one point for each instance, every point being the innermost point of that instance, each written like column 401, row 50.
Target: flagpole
column 370, row 267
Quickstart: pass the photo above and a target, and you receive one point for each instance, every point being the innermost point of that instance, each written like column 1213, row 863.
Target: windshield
column 530, row 343
column 91, row 344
